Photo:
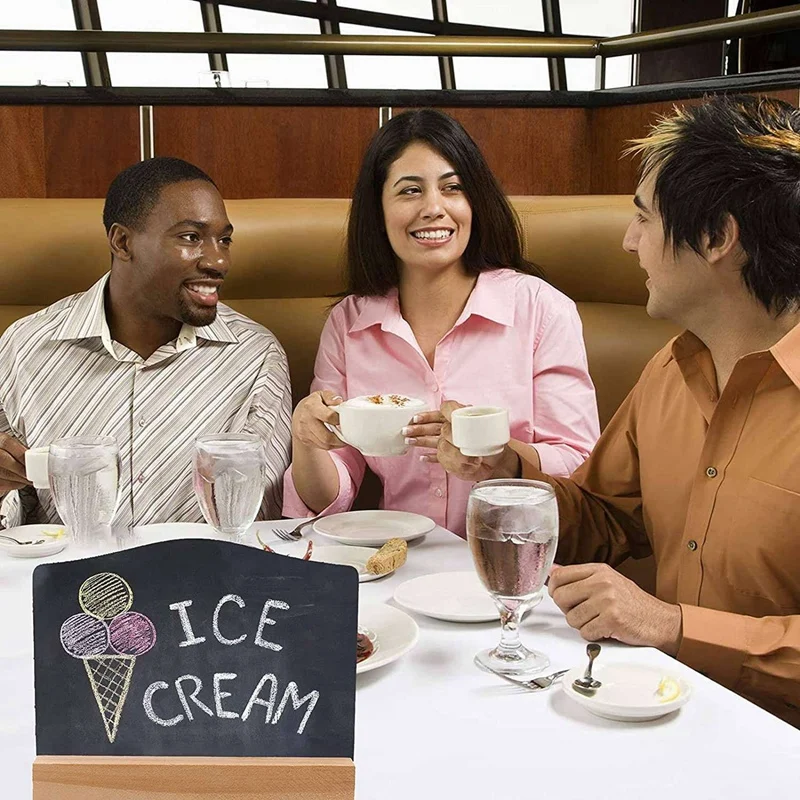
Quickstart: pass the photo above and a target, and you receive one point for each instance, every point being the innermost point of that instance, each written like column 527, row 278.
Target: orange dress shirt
column 710, row 485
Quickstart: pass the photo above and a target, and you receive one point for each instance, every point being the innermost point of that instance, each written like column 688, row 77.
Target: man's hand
column 12, row 464
column 602, row 604
column 469, row 468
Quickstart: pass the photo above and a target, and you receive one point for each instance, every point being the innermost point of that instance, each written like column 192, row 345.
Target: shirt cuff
column 714, row 643
column 11, row 510
column 294, row 507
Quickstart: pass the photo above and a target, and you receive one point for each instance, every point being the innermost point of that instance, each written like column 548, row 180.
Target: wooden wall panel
column 612, row 127
column 269, row 151
column 532, row 150
column 86, row 146
column 22, row 151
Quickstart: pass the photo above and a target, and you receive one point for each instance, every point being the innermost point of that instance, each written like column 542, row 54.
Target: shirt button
column 140, row 479
column 438, row 492
column 711, row 472
column 141, row 422
column 692, row 544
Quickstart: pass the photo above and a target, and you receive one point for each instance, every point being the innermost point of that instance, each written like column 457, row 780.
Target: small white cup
column 36, row 468
column 480, row 430
column 375, row 428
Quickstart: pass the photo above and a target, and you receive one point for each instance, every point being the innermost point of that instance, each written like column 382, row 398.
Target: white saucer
column 32, row 533
column 373, row 528
column 394, row 631
column 628, row 692
column 345, row 555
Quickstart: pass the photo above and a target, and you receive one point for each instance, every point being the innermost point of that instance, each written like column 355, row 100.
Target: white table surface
column 431, row 725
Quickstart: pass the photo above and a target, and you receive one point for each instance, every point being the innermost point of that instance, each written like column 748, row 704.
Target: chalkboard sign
column 195, row 647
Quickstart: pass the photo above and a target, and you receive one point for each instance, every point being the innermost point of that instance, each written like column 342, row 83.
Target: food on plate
column 391, row 556
column 55, row 534
column 364, row 647
column 668, row 690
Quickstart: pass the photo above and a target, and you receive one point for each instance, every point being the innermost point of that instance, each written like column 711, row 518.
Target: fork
column 295, row 533
column 535, row 684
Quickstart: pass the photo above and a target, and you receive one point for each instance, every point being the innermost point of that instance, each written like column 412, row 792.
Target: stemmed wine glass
column 83, row 472
column 229, row 480
column 512, row 530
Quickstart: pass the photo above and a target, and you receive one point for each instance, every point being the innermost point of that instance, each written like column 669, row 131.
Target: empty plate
column 451, row 596
column 373, row 528
column 630, row 692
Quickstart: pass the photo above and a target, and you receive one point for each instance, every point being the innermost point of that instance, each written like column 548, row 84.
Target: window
column 421, row 9
column 278, row 70
column 589, row 18
column 23, row 68
column 512, row 74
column 525, row 14
column 389, row 72
column 154, row 69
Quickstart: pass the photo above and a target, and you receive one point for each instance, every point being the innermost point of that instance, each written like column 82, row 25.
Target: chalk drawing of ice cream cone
column 108, row 637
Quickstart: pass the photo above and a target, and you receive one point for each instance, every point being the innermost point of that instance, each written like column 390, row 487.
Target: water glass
column 229, row 480
column 84, row 479
column 512, row 530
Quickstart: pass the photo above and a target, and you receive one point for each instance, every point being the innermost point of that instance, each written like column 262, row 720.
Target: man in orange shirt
column 701, row 464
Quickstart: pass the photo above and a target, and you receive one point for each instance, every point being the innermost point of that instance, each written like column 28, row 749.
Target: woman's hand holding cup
column 424, row 431
column 310, row 418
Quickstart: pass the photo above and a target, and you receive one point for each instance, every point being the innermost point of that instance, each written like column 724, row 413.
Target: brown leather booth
column 287, row 264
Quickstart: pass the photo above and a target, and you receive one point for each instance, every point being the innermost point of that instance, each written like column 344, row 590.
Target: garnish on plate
column 58, row 533
column 668, row 689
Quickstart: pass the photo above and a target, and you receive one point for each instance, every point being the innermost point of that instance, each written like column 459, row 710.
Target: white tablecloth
column 431, row 725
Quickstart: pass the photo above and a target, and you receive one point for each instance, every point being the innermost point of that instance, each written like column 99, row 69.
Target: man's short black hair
column 739, row 156
column 135, row 191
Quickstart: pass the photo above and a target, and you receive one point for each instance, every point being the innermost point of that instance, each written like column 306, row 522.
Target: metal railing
column 95, row 41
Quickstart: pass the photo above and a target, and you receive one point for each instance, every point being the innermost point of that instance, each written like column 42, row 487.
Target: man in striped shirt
column 147, row 355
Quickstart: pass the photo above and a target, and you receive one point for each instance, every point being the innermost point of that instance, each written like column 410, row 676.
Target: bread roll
column 391, row 556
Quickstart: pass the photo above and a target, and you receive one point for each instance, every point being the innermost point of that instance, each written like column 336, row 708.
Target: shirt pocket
column 757, row 548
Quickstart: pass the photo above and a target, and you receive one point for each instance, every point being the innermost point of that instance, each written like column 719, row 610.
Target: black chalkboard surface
column 195, row 647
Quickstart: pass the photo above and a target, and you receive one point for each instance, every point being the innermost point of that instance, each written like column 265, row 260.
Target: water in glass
column 84, row 480
column 512, row 530
column 229, row 480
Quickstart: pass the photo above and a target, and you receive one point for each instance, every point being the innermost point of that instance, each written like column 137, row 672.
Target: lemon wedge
column 56, row 534
column 668, row 689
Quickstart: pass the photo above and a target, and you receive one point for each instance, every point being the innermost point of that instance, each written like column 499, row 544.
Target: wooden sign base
column 192, row 778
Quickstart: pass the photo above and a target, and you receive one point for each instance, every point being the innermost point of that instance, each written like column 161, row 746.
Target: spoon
column 587, row 684
column 17, row 541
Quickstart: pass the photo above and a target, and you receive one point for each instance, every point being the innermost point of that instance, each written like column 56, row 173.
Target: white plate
column 32, row 533
column 395, row 634
column 373, row 528
column 451, row 596
column 344, row 555
column 628, row 692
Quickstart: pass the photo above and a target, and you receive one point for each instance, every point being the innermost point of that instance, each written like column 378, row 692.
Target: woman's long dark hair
column 496, row 237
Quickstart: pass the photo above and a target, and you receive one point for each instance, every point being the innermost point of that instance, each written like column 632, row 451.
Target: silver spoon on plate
column 587, row 684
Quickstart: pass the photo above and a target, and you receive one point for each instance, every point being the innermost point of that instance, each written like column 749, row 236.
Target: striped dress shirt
column 62, row 375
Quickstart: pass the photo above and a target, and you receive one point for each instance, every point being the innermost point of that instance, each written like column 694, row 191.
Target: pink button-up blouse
column 517, row 344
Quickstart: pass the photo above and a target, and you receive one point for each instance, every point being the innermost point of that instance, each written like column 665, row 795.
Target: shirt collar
column 86, row 319
column 492, row 298
column 786, row 351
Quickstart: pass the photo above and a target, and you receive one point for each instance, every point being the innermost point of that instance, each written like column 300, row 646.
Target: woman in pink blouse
column 441, row 305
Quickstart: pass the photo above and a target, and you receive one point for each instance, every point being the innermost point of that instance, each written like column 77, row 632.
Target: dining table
column 432, row 725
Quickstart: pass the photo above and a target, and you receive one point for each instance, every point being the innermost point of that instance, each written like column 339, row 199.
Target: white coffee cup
column 373, row 424
column 480, row 430
column 36, row 466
